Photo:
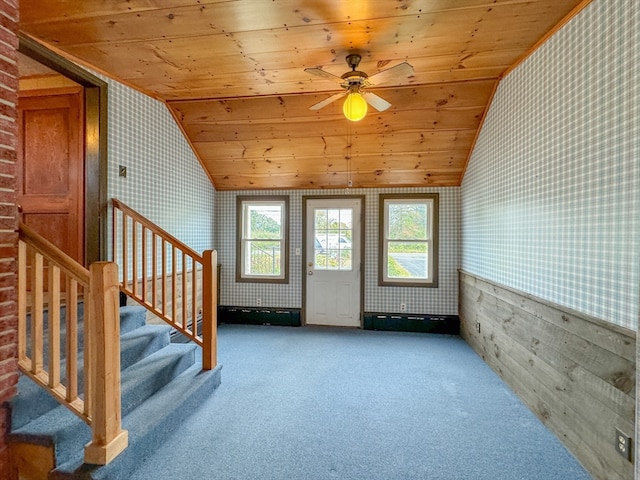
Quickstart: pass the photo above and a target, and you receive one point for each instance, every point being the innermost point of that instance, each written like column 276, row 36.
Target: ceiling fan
column 355, row 84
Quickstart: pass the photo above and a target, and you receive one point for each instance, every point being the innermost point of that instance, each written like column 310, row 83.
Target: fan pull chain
column 349, row 182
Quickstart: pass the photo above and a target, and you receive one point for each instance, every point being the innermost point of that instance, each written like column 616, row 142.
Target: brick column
column 8, row 223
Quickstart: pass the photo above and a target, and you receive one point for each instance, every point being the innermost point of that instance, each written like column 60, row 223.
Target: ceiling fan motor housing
column 353, row 60
column 354, row 76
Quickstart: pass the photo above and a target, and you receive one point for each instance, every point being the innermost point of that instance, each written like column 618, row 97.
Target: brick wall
column 8, row 219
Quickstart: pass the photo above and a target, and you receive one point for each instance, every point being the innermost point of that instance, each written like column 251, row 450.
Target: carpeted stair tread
column 139, row 382
column 149, row 424
column 132, row 317
column 30, row 402
column 149, row 375
column 33, row 401
column 59, row 427
column 63, row 331
column 142, row 342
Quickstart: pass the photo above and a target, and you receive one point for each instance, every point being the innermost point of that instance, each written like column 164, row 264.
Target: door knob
column 310, row 272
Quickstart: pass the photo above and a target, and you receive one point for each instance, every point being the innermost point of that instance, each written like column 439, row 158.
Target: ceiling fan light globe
column 355, row 107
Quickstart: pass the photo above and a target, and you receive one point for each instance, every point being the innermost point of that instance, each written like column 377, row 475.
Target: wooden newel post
column 103, row 335
column 209, row 310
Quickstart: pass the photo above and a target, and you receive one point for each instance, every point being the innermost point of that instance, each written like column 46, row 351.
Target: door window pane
column 333, row 236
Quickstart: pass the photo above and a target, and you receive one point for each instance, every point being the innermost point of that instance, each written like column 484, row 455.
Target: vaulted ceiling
column 232, row 73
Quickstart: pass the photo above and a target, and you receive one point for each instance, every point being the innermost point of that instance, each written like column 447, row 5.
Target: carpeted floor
column 320, row 403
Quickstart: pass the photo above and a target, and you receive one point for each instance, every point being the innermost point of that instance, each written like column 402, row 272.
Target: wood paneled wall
column 575, row 372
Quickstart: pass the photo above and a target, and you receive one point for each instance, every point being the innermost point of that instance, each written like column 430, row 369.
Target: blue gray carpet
column 314, row 403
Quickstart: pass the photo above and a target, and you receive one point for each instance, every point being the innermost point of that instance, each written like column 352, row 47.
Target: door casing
column 95, row 144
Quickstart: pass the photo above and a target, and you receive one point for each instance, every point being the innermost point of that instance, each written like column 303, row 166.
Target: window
column 262, row 250
column 409, row 240
column 333, row 230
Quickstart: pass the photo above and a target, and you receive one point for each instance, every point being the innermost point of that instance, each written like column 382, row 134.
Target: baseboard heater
column 287, row 317
column 447, row 324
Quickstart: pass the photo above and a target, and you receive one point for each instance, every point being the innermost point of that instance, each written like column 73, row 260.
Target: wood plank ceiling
column 232, row 73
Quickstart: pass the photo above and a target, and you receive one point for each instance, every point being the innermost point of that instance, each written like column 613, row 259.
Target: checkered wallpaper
column 439, row 301
column 164, row 182
column 551, row 196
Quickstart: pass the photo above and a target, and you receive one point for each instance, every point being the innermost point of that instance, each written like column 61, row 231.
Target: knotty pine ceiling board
column 337, row 179
column 232, row 73
column 334, row 160
column 425, row 135
column 444, row 95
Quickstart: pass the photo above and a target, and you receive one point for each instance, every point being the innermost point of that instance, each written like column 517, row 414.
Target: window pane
column 346, row 219
column 345, row 260
column 407, row 221
column 321, row 220
column 408, row 260
column 333, row 259
column 320, row 259
column 265, row 221
column 263, row 258
column 333, row 218
column 333, row 234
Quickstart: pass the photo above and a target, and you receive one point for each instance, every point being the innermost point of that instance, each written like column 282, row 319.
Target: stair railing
column 50, row 282
column 168, row 278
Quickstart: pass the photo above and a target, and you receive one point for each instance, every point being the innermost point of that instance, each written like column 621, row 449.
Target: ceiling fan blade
column 375, row 101
column 327, row 101
column 321, row 73
column 397, row 72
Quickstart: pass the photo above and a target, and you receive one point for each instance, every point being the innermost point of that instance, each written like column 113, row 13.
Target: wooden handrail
column 57, row 256
column 100, row 406
column 168, row 278
column 153, row 227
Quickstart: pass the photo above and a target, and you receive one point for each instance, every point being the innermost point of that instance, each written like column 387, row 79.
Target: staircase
column 161, row 384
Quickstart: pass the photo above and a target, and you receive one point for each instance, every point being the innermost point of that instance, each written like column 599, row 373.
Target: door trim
column 95, row 144
column 305, row 198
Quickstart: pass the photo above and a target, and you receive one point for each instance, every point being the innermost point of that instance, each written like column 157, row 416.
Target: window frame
column 241, row 202
column 431, row 199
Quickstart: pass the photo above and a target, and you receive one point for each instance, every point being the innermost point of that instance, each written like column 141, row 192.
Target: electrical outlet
column 258, row 302
column 403, row 307
column 623, row 444
column 122, row 171
column 478, row 326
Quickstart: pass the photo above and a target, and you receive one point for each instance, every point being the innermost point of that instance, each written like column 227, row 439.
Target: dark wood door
column 51, row 166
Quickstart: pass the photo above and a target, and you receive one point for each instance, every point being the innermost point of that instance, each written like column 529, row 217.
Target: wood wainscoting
column 575, row 372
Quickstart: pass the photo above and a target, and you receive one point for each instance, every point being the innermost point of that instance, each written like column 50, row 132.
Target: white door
column 333, row 258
